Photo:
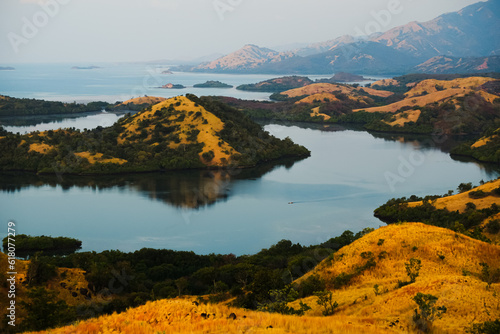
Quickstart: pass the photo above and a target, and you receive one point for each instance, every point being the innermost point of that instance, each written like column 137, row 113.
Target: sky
column 91, row 31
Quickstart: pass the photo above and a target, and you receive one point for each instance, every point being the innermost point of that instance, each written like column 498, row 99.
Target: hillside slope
column 450, row 270
column 459, row 106
column 177, row 133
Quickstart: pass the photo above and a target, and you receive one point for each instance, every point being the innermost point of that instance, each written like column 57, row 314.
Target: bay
column 112, row 82
column 239, row 211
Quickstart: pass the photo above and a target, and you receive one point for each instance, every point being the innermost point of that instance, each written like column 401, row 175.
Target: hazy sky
column 87, row 31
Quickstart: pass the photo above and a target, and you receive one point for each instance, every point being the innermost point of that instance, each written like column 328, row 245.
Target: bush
column 325, row 299
column 426, row 312
column 487, row 327
column 463, row 187
column 478, row 194
column 493, row 226
column 413, row 268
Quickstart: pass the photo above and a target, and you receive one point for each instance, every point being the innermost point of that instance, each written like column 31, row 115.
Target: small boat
column 290, row 202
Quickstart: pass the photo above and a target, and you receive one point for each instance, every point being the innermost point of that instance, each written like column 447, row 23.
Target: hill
column 485, row 149
column 473, row 211
column 443, row 105
column 450, row 270
column 470, row 32
column 178, row 133
column 446, row 64
column 468, row 36
column 212, row 84
column 138, row 103
column 246, row 58
column 368, row 302
column 276, row 84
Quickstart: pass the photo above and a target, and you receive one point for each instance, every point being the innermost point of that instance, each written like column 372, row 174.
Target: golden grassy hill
column 144, row 100
column 457, row 202
column 179, row 133
column 450, row 271
column 182, row 316
column 386, row 82
column 328, row 88
column 187, row 117
column 453, row 277
column 430, row 91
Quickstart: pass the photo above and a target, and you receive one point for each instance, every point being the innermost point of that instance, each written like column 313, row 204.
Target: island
column 277, row 85
column 172, row 86
column 212, row 84
column 182, row 132
column 85, row 67
column 347, row 77
column 8, row 68
column 167, row 72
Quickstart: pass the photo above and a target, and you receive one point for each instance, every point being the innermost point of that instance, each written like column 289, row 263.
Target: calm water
column 349, row 174
column 337, row 188
column 117, row 82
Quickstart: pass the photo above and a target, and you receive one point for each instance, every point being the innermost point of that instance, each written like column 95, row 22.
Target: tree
column 45, row 311
column 40, row 270
column 279, row 300
column 426, row 312
column 463, row 187
column 413, row 268
column 325, row 299
column 181, row 284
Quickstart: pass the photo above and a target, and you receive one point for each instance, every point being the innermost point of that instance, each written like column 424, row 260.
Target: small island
column 7, row 68
column 343, row 77
column 172, row 86
column 85, row 67
column 167, row 72
column 213, row 84
column 277, row 85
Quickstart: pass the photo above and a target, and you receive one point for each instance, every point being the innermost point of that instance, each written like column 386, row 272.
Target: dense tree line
column 28, row 245
column 10, row 106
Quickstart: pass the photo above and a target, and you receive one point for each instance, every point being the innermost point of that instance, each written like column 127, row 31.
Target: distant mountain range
column 463, row 42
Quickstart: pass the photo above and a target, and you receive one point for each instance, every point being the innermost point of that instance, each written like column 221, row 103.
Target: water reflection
column 192, row 189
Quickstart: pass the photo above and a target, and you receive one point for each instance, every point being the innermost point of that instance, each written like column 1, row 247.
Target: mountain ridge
column 471, row 32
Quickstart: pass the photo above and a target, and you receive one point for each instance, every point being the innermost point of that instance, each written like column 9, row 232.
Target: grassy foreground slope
column 450, row 270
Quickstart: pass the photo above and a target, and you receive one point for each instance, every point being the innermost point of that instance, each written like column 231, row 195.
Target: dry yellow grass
column 405, row 117
column 187, row 112
column 97, row 157
column 181, row 316
column 461, row 84
column 315, row 112
column 40, row 148
column 144, row 100
column 457, row 202
column 386, row 82
column 466, row 297
column 453, row 88
column 483, row 141
column 318, row 97
column 317, row 88
column 376, row 92
column 321, row 88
